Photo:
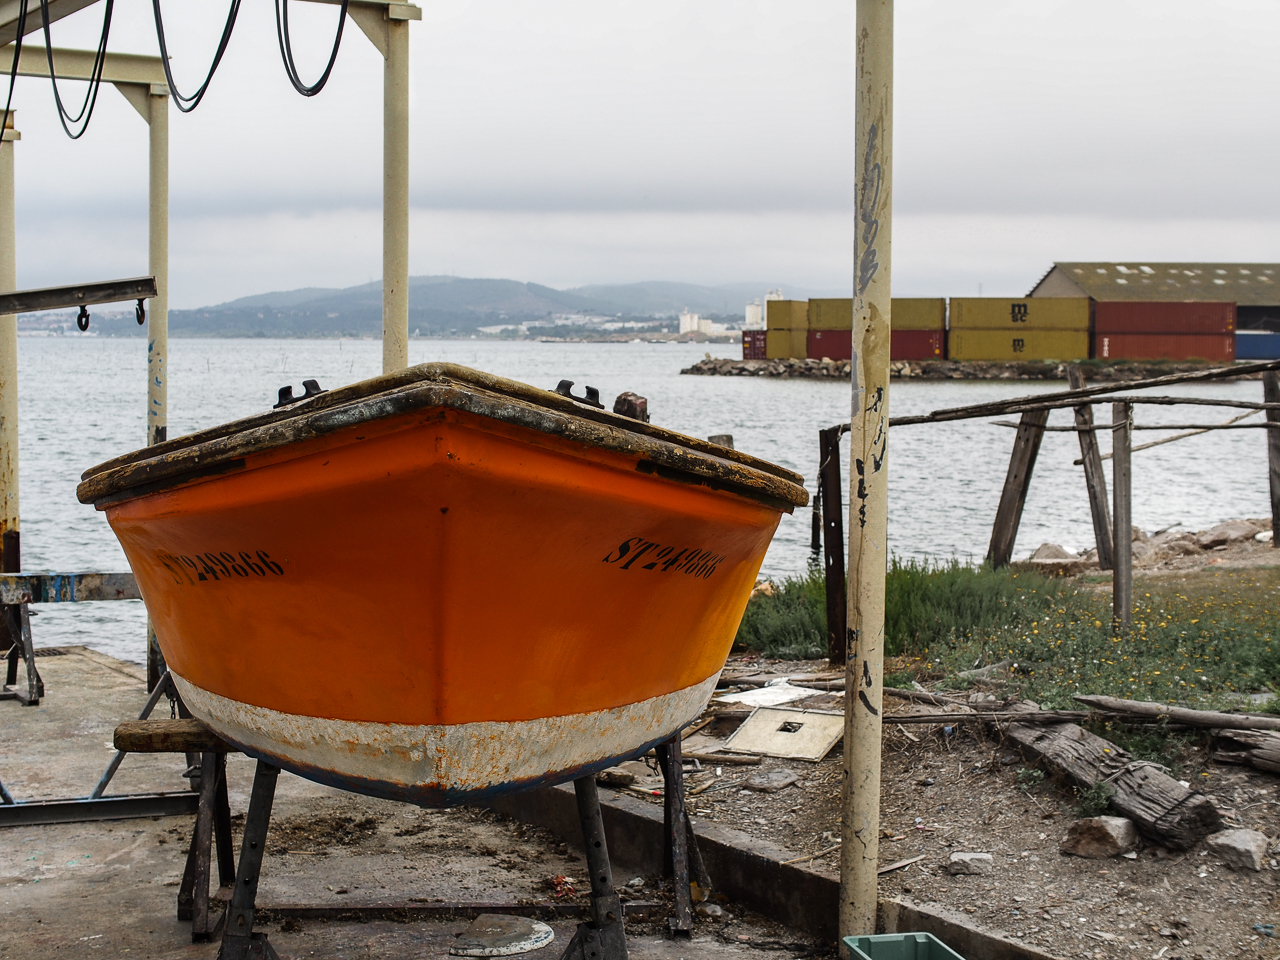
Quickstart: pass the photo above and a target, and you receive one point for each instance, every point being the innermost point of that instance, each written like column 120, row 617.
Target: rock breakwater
column 1095, row 371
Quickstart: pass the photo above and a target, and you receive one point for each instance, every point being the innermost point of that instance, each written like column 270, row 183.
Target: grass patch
column 791, row 624
column 1200, row 639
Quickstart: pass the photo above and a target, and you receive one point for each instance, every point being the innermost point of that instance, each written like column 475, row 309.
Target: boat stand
column 600, row 938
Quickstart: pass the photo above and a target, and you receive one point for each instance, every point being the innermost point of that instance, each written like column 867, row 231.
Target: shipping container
column 1017, row 345
column 777, row 344
column 918, row 313
column 1039, row 313
column 753, row 345
column 1257, row 346
column 1180, row 318
column 786, row 315
column 1155, row 346
column 831, row 314
column 830, row 344
column 916, row 344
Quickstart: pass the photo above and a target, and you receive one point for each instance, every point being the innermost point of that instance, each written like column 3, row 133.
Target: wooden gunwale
column 664, row 452
column 444, row 373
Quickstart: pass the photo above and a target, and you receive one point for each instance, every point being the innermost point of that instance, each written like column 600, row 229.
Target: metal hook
column 140, row 311
column 82, row 320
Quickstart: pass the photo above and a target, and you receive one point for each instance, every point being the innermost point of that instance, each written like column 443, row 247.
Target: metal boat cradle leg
column 600, row 938
column 213, row 822
column 17, row 622
column 239, row 942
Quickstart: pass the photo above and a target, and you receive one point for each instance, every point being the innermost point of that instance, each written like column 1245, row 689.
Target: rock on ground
column 1100, row 837
column 1052, row 551
column 1241, row 849
column 771, row 781
column 969, row 864
column 1228, row 532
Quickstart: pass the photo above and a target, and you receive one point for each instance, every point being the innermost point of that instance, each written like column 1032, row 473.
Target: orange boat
column 437, row 585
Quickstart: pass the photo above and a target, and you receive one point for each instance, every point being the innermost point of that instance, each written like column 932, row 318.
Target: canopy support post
column 868, row 478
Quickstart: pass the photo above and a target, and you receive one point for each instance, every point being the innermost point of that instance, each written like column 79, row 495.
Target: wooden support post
column 833, row 545
column 1122, row 538
column 1271, row 394
column 1094, row 478
column 1026, row 446
column 869, row 473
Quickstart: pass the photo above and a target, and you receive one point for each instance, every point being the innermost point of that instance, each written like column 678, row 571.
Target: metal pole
column 395, row 198
column 868, row 500
column 158, row 308
column 9, row 516
column 1122, row 535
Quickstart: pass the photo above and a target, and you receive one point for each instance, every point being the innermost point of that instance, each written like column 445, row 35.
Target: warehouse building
column 1253, row 287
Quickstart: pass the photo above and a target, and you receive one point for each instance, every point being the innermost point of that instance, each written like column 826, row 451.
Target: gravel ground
column 966, row 791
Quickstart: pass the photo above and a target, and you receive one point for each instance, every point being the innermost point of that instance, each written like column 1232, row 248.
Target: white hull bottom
column 437, row 765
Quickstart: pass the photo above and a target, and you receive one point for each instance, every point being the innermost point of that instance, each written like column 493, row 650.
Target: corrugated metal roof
column 1248, row 284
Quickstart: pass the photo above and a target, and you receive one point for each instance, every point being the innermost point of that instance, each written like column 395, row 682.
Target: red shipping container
column 1180, row 318
column 753, row 344
column 903, row 344
column 916, row 344
column 830, row 345
column 1155, row 346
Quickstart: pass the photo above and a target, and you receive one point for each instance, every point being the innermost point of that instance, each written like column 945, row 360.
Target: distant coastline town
column 1105, row 312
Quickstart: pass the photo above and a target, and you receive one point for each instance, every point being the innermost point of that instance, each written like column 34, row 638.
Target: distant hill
column 457, row 305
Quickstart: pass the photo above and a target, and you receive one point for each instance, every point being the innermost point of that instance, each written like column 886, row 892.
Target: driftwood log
column 1159, row 806
column 1258, row 748
column 1192, row 718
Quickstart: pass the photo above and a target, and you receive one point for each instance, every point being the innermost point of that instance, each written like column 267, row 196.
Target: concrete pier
column 110, row 888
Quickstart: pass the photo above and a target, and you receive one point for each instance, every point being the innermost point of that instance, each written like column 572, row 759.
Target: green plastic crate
column 900, row 946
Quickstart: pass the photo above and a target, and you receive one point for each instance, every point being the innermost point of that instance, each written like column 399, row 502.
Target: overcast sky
column 588, row 141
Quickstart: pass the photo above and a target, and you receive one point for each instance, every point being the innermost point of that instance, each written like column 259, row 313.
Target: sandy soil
column 966, row 791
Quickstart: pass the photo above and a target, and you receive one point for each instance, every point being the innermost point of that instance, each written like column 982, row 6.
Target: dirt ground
column 963, row 790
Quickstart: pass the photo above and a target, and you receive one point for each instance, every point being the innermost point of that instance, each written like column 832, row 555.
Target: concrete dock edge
column 750, row 872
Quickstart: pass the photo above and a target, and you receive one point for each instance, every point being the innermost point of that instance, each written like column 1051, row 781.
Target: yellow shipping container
column 918, row 313
column 1017, row 345
column 777, row 344
column 1037, row 313
column 787, row 315
column 831, row 314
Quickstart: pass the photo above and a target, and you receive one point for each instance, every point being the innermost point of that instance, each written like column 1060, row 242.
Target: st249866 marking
column 220, row 566
column 698, row 563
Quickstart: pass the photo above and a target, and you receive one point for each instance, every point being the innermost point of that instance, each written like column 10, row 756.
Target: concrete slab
column 110, row 888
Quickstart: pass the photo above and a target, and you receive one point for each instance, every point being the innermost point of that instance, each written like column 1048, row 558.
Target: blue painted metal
column 1257, row 346
column 53, row 587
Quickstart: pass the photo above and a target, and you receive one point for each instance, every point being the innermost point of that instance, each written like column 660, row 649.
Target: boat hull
column 438, row 606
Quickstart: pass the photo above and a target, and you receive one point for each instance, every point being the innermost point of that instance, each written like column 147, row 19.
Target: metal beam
column 57, row 10
column 77, row 295
column 67, row 587
column 78, row 65
column 129, row 807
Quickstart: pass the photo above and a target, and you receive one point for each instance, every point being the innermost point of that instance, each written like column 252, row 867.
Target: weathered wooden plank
column 1026, row 446
column 1122, row 523
column 1158, row 805
column 169, row 736
column 1271, row 394
column 1194, row 718
column 1095, row 480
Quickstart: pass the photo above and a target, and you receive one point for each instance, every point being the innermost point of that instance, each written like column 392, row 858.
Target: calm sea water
column 82, row 402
